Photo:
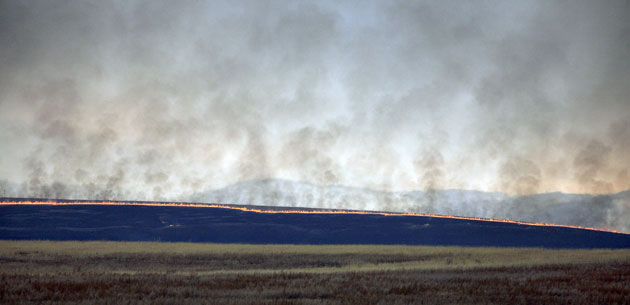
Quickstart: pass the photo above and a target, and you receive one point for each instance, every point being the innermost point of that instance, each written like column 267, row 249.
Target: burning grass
column 39, row 272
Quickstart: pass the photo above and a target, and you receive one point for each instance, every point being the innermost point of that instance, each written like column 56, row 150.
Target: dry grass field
column 43, row 272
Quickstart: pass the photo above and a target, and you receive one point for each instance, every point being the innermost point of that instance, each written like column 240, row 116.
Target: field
column 43, row 272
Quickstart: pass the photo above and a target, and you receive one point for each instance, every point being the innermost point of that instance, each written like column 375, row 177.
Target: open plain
column 45, row 272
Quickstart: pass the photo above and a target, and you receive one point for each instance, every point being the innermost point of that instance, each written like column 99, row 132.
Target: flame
column 288, row 211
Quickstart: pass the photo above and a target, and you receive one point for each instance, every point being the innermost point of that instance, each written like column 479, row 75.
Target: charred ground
column 125, row 221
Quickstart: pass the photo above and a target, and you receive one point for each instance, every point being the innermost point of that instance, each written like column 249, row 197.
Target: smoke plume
column 163, row 100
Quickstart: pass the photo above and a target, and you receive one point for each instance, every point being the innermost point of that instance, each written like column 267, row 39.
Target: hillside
column 224, row 225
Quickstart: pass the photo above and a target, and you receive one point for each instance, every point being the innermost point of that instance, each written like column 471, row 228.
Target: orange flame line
column 262, row 211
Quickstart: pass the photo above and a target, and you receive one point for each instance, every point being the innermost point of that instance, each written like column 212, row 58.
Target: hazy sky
column 164, row 98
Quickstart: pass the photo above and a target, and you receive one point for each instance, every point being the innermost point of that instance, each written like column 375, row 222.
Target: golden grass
column 46, row 272
column 408, row 257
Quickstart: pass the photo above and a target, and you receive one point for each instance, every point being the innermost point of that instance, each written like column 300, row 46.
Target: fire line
column 288, row 211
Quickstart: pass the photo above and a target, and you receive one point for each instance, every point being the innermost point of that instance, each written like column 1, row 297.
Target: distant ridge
column 586, row 210
column 155, row 221
column 606, row 211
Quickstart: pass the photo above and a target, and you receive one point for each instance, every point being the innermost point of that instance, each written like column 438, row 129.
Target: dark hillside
column 220, row 225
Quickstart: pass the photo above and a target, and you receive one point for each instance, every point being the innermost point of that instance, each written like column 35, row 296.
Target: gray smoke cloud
column 163, row 100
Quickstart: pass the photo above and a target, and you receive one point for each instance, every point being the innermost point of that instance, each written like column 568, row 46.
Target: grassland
column 43, row 272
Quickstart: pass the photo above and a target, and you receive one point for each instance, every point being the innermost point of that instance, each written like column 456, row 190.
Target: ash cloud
column 166, row 100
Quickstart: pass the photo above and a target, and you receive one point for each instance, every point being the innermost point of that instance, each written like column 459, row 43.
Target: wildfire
column 288, row 211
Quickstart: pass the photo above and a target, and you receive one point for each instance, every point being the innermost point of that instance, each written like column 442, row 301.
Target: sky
column 162, row 99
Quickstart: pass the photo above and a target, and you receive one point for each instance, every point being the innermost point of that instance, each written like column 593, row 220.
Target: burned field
column 38, row 272
column 207, row 223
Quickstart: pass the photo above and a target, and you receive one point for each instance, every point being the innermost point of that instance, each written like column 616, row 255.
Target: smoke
column 589, row 162
column 520, row 176
column 160, row 100
column 429, row 165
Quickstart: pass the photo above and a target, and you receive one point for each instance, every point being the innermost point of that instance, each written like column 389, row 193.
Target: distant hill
column 610, row 211
column 604, row 211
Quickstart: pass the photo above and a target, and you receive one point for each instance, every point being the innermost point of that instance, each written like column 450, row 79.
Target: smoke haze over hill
column 158, row 100
column 610, row 211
